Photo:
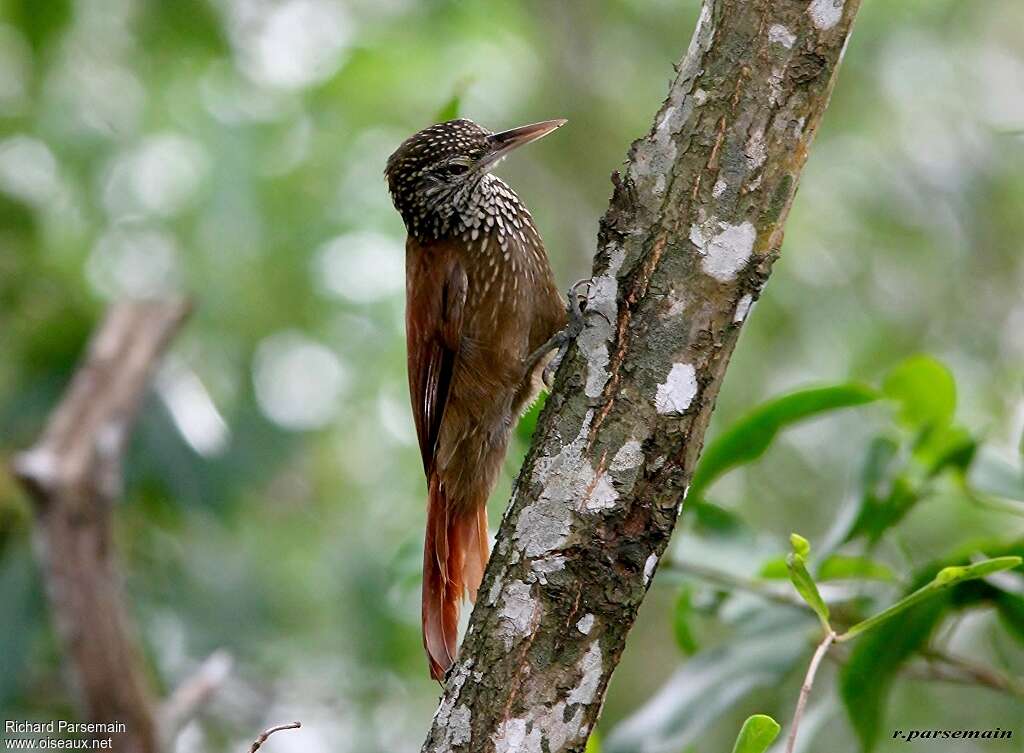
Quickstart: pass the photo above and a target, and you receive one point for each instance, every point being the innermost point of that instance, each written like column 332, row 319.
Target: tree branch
column 192, row 694
column 940, row 665
column 265, row 735
column 73, row 475
column 784, row 595
column 685, row 247
column 805, row 689
column 937, row 666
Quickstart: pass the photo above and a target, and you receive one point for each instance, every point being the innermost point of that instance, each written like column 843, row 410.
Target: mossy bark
column 687, row 244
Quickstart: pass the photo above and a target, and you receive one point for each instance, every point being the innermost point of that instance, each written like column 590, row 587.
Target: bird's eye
column 455, row 168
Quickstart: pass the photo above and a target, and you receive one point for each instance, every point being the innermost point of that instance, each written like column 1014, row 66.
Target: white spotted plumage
column 481, row 210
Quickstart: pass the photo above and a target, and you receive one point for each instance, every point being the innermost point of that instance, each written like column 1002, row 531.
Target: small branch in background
column 739, row 583
column 258, row 742
column 73, row 475
column 992, row 502
column 78, row 458
column 805, row 689
column 949, row 668
column 837, row 599
column 190, row 696
column 939, row 666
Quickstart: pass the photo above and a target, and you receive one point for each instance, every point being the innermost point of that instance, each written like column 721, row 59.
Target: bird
column 485, row 323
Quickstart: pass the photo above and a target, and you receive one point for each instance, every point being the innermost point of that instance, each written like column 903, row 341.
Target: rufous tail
column 455, row 552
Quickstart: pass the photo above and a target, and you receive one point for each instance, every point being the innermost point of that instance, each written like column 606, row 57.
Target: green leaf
column 878, row 466
column 925, row 390
column 945, row 578
column 747, row 439
column 839, row 567
column 593, row 743
column 865, row 680
column 804, row 584
column 877, row 515
column 758, row 732
column 1010, row 607
column 775, row 569
column 958, row 573
column 714, row 519
column 946, row 448
column 884, row 498
column 767, row 645
column 877, row 655
column 796, row 563
column 800, row 545
column 681, row 622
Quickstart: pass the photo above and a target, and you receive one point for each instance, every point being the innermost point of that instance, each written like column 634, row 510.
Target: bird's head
column 435, row 174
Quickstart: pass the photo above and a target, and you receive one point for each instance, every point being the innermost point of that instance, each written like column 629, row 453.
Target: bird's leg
column 576, row 308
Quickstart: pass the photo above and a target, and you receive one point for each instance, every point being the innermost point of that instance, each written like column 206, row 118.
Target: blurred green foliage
column 747, row 439
column 892, row 622
column 233, row 149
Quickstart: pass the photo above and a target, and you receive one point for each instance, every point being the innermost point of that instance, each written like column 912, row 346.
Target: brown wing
column 436, row 287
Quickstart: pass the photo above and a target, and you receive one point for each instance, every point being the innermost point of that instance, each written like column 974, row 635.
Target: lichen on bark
column 686, row 246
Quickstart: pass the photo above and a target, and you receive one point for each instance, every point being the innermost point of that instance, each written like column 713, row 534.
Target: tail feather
column 454, row 555
column 440, row 599
column 476, row 549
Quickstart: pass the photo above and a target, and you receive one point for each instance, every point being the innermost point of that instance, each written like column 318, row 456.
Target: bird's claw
column 576, row 308
column 548, row 375
column 576, row 305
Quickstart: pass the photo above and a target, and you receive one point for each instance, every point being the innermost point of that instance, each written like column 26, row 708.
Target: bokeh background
column 233, row 150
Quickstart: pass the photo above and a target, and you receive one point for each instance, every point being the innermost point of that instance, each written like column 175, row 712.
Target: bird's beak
column 504, row 142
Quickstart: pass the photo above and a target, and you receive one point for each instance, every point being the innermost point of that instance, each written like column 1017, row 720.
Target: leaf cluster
column 887, row 610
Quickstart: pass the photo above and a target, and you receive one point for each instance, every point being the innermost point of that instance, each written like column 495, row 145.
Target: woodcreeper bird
column 483, row 315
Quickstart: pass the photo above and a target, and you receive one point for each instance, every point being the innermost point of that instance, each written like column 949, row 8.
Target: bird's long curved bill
column 505, row 141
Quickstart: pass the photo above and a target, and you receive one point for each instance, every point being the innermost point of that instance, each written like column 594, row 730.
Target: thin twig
column 193, row 693
column 805, row 689
column 976, row 674
column 938, row 666
column 739, row 583
column 996, row 502
column 267, row 733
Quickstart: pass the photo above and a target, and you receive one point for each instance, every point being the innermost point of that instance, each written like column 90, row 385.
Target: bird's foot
column 576, row 309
